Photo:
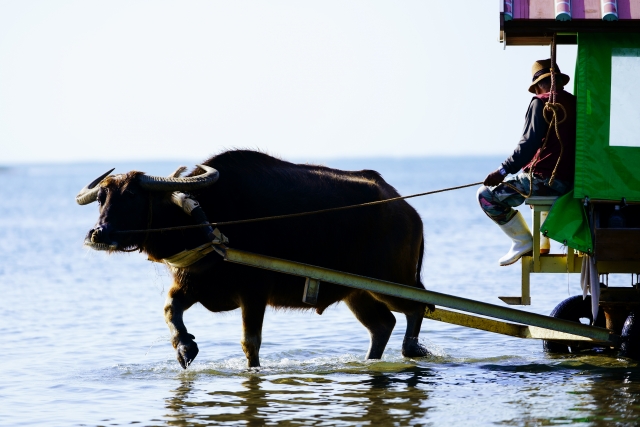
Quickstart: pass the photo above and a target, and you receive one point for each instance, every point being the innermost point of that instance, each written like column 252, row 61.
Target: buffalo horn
column 89, row 193
column 159, row 183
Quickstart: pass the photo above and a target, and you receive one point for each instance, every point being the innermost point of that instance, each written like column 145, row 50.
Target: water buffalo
column 383, row 241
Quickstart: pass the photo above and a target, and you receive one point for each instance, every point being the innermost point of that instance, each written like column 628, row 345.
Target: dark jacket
column 529, row 152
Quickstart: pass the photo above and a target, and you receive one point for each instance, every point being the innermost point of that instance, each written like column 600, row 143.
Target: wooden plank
column 592, row 10
column 498, row 327
column 556, row 263
column 617, row 244
column 580, row 10
column 540, row 40
column 475, row 322
column 577, row 9
column 617, row 267
column 624, row 9
column 528, row 41
column 542, row 9
column 541, row 200
column 512, row 300
column 536, row 239
column 620, row 294
column 525, row 285
column 534, row 332
column 629, row 9
column 585, row 9
column 543, row 27
column 521, row 9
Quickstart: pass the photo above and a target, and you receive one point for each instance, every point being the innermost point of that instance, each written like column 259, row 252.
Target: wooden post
column 526, row 279
column 536, row 239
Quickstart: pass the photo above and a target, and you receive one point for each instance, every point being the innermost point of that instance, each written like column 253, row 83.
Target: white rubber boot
column 518, row 231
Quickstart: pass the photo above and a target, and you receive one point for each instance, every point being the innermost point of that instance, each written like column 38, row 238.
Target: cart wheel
column 573, row 308
column 631, row 337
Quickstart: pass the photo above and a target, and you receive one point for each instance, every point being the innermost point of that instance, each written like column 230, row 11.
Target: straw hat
column 542, row 69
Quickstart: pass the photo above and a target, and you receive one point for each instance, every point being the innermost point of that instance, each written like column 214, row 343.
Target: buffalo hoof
column 186, row 352
column 411, row 347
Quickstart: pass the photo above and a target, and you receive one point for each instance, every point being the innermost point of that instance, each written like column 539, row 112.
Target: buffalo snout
column 101, row 234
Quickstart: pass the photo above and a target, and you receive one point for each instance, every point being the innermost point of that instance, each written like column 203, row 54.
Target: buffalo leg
column 376, row 317
column 411, row 347
column 177, row 302
column 252, row 318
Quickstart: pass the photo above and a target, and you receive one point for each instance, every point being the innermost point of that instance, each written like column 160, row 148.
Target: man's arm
column 535, row 129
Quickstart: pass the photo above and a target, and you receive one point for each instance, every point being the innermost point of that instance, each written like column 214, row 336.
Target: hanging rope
column 295, row 215
column 550, row 106
column 554, row 107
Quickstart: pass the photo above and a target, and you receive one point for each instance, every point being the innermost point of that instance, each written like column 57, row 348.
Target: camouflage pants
column 498, row 202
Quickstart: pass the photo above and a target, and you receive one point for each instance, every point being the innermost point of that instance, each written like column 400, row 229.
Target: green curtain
column 603, row 171
column 567, row 223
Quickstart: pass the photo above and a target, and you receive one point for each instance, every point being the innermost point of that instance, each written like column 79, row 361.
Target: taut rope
column 269, row 218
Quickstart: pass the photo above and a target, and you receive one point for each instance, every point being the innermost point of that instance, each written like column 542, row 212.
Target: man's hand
column 494, row 178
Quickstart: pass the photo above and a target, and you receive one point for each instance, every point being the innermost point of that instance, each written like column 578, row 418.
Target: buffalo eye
column 102, row 196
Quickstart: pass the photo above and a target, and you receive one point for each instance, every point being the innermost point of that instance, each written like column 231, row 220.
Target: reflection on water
column 376, row 398
column 601, row 391
column 615, row 396
column 589, row 390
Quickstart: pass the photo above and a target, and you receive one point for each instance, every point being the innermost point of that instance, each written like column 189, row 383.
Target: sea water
column 84, row 340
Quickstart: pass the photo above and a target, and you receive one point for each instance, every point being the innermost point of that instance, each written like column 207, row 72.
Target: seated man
column 497, row 198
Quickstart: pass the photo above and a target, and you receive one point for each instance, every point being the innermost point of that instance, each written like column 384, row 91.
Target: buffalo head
column 125, row 203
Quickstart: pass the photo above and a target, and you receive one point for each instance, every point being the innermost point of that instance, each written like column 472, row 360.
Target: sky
column 160, row 80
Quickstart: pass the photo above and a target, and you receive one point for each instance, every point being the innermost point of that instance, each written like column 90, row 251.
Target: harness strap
column 188, row 256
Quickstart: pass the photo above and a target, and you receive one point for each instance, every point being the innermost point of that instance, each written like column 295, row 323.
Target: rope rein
column 552, row 106
column 295, row 215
